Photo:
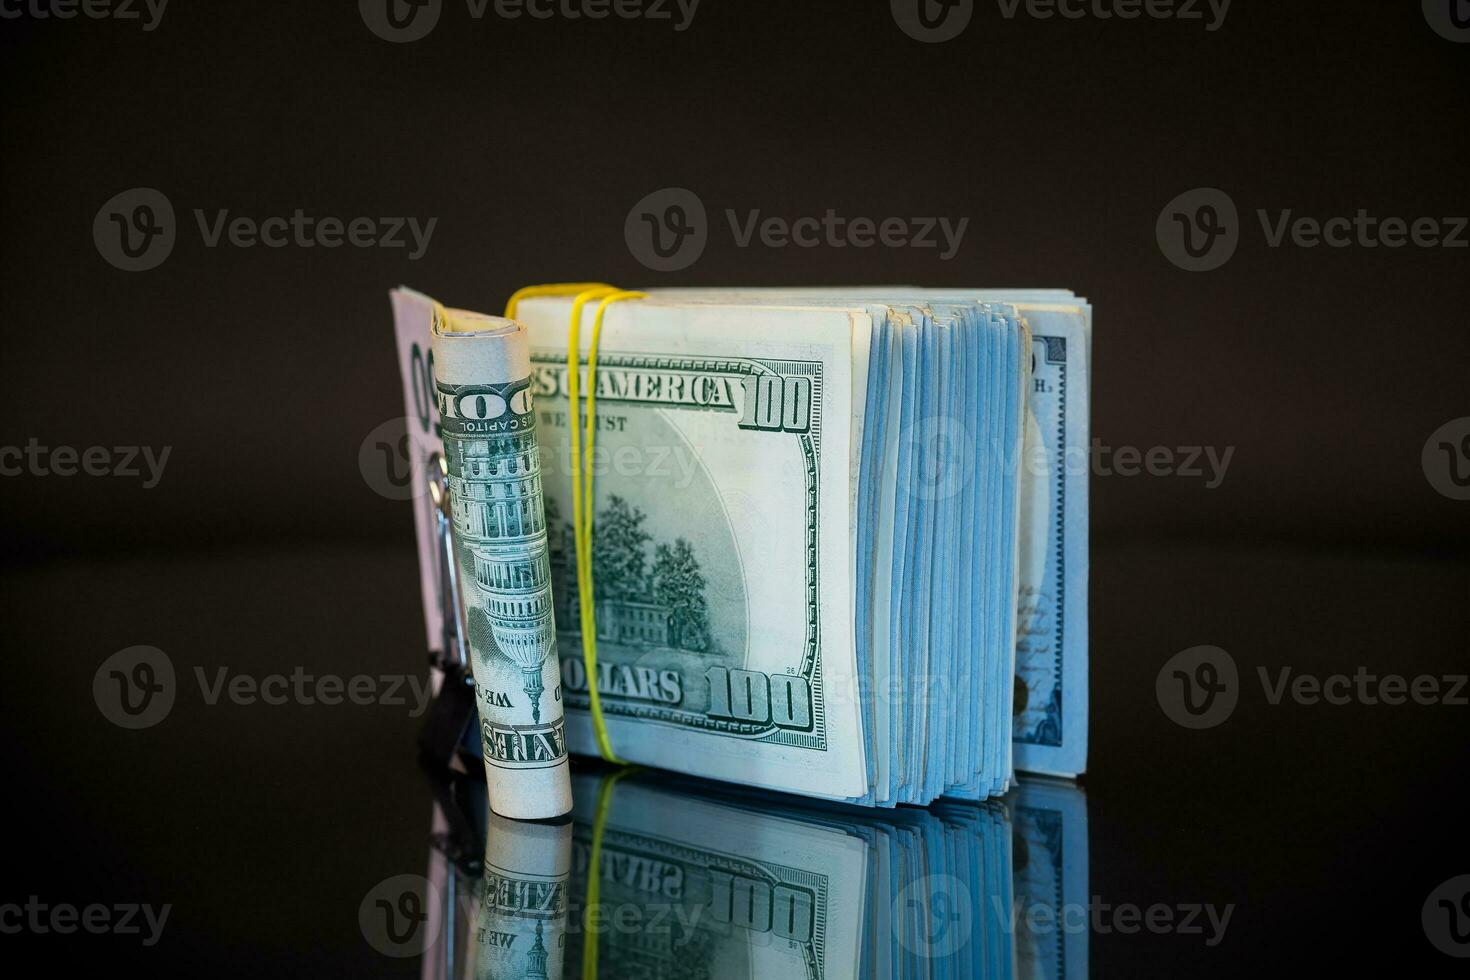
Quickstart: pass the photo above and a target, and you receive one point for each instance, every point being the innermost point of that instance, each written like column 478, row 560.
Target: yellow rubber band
column 582, row 471
column 551, row 289
column 582, row 498
column 581, row 531
column 592, row 937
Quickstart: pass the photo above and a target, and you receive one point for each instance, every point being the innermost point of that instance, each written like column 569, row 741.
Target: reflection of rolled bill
column 482, row 372
column 522, row 925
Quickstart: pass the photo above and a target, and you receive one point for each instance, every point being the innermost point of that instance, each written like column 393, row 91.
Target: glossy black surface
column 265, row 826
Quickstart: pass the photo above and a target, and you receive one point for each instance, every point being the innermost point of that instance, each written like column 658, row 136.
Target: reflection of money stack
column 496, row 485
column 719, row 883
column 657, row 877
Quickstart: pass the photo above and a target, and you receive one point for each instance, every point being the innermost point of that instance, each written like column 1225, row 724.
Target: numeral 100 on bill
column 783, row 700
column 776, row 403
column 758, row 906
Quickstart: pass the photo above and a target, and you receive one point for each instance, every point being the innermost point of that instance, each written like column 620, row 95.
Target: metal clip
column 451, row 715
column 455, row 651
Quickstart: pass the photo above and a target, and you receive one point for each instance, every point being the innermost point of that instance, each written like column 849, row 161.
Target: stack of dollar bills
column 839, row 536
column 656, row 879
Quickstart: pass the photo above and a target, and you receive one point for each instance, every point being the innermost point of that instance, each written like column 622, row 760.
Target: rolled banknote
column 482, row 372
column 522, row 924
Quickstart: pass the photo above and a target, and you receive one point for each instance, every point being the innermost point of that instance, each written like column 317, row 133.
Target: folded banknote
column 839, row 537
column 491, row 454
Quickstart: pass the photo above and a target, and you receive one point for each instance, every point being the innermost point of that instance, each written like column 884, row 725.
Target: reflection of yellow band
column 582, row 472
column 590, row 936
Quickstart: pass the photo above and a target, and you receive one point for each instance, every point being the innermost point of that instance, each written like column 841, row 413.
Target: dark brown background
column 1327, row 369
column 264, row 549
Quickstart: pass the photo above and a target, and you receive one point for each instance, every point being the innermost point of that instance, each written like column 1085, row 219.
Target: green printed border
column 1049, row 730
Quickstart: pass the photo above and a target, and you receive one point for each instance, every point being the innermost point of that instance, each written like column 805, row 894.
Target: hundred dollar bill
column 722, row 538
column 521, row 929
column 1050, row 713
column 483, row 388
column 412, row 315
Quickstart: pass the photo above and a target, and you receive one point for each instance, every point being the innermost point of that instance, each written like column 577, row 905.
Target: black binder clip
column 452, row 713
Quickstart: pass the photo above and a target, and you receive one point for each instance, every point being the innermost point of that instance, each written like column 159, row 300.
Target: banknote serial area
column 821, row 553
